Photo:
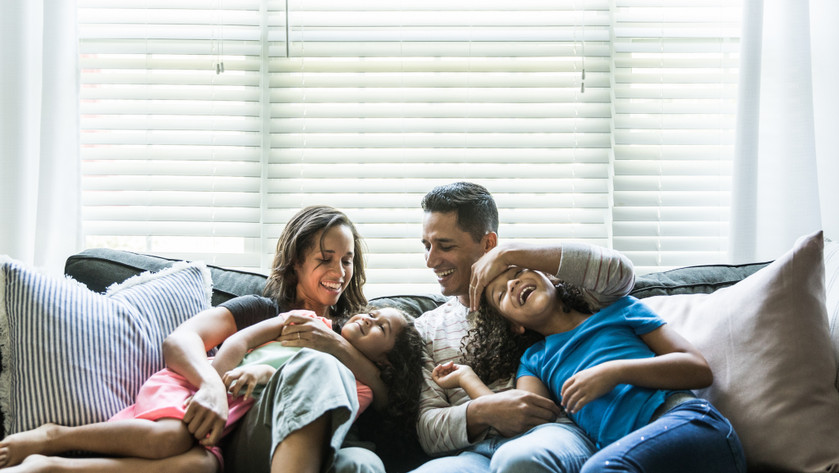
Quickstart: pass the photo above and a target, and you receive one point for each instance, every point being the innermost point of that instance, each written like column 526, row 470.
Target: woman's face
column 325, row 271
column 524, row 297
column 374, row 334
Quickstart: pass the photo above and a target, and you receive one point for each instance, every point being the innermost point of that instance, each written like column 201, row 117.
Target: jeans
column 691, row 437
column 554, row 447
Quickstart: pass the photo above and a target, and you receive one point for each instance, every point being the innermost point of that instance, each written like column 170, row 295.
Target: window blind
column 674, row 95
column 569, row 112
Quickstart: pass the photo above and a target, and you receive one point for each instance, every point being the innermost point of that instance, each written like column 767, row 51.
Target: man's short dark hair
column 475, row 207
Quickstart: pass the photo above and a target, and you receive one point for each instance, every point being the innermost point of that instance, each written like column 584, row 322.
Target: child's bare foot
column 16, row 447
column 33, row 464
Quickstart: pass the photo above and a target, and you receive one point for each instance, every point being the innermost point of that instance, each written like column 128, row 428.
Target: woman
column 150, row 436
column 318, row 266
column 620, row 373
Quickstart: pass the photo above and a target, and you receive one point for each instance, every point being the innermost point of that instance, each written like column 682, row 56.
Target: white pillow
column 73, row 356
column 767, row 341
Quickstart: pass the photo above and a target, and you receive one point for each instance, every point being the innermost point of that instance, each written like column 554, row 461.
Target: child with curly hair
column 617, row 369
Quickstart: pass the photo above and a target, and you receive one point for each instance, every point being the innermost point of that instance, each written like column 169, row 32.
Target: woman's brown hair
column 298, row 237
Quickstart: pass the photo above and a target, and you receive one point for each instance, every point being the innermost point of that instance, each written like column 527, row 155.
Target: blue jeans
column 554, row 447
column 692, row 437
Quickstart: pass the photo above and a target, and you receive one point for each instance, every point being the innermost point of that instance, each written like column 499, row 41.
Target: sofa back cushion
column 98, row 268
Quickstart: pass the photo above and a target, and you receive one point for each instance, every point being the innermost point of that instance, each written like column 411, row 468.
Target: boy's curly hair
column 491, row 347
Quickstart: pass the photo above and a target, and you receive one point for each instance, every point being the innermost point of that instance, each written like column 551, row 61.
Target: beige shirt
column 604, row 275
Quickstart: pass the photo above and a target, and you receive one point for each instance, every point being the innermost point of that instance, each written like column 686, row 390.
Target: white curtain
column 785, row 158
column 39, row 132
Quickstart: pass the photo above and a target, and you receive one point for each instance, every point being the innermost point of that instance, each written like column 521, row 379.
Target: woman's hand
column 586, row 386
column 206, row 414
column 303, row 331
column 448, row 375
column 247, row 378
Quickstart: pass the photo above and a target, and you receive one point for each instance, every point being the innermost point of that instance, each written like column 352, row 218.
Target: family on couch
column 301, row 419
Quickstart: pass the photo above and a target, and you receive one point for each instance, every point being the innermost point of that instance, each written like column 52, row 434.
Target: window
column 206, row 125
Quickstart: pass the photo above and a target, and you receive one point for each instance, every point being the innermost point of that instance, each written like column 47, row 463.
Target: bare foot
column 33, row 464
column 16, row 447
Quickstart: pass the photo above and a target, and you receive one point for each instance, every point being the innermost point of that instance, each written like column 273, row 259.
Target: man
column 510, row 430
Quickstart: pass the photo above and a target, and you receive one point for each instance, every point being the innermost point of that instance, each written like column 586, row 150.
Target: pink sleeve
column 365, row 397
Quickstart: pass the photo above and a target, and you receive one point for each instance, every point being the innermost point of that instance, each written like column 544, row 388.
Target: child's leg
column 692, row 438
column 302, row 450
column 139, row 438
column 196, row 460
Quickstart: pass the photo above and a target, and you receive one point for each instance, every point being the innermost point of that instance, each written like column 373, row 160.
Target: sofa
column 74, row 350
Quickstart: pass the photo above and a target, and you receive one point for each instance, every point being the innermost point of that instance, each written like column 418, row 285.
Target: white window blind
column 369, row 104
column 674, row 91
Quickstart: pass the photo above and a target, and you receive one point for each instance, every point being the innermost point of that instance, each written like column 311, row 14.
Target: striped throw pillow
column 73, row 356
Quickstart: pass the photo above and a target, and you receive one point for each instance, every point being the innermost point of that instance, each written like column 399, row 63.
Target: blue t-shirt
column 610, row 334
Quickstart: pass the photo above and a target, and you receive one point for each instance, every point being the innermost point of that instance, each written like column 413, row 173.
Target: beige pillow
column 767, row 341
column 831, row 279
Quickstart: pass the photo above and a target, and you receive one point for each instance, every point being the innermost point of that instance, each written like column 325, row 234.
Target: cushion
column 831, row 280
column 693, row 279
column 766, row 339
column 413, row 305
column 73, row 356
column 97, row 268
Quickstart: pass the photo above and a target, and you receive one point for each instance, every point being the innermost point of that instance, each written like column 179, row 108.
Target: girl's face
column 323, row 275
column 374, row 334
column 525, row 297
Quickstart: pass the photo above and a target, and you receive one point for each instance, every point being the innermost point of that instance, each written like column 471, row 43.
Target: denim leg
column 356, row 460
column 559, row 447
column 475, row 459
column 692, row 438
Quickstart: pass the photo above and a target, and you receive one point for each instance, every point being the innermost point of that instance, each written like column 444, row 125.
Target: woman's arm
column 185, row 352
column 313, row 334
column 677, row 365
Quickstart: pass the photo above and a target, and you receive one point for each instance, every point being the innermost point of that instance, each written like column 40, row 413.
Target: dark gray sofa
column 99, row 268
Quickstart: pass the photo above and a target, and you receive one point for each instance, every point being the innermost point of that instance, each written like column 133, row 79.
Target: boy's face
column 451, row 252
column 374, row 334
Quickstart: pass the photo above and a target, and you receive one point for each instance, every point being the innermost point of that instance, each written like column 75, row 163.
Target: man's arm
column 448, row 419
column 603, row 274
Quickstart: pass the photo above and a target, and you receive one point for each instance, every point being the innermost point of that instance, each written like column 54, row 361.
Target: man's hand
column 490, row 265
column 206, row 414
column 510, row 412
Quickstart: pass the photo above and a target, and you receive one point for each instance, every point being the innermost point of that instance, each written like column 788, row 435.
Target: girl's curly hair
column 403, row 377
column 392, row 429
column 491, row 347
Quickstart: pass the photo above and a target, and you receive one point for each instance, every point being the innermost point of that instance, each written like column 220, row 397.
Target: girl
column 383, row 336
column 616, row 368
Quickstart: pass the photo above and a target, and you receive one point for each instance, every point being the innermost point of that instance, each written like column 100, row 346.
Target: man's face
column 450, row 252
